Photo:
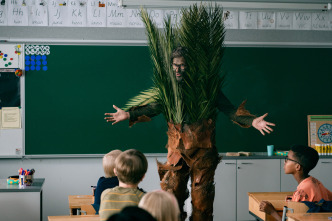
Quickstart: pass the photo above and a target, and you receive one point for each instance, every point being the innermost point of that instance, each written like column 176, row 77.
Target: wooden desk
column 21, row 203
column 74, row 218
column 276, row 198
column 309, row 216
column 76, row 201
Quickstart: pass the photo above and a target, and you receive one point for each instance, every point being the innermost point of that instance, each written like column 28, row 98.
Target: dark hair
column 306, row 156
column 132, row 213
column 179, row 52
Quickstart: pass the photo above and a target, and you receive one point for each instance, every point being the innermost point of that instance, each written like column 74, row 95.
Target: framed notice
column 319, row 129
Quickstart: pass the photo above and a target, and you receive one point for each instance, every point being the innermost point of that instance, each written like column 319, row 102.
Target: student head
column 132, row 213
column 178, row 62
column 301, row 158
column 162, row 205
column 131, row 166
column 109, row 162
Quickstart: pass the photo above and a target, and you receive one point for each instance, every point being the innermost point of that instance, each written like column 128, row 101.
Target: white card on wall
column 3, row 15
column 10, row 56
column 58, row 12
column 174, row 15
column 266, row 20
column 284, row 20
column 96, row 13
column 17, row 13
column 116, row 16
column 231, row 19
column 134, row 18
column 302, row 21
column 38, row 15
column 320, row 21
column 157, row 16
column 77, row 13
column 248, row 20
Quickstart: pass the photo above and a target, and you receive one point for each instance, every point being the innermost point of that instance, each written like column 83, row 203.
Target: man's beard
column 180, row 78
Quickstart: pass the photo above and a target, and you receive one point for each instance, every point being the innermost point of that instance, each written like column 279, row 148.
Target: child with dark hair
column 132, row 213
column 300, row 161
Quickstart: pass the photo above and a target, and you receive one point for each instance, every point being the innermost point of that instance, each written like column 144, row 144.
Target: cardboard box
column 319, row 129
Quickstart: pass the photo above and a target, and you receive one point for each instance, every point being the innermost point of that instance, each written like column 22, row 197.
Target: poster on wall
column 10, row 61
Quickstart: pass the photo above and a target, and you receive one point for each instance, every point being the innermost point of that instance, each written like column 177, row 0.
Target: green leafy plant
column 201, row 31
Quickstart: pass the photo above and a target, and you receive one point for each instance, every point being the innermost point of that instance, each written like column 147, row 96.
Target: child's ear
column 298, row 167
column 142, row 178
column 114, row 170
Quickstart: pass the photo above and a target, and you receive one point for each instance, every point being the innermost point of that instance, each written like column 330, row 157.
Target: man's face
column 179, row 67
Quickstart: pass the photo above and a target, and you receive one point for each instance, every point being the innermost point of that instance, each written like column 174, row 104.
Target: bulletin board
column 11, row 100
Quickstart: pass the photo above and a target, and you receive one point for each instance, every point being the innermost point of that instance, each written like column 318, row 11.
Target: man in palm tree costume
column 187, row 90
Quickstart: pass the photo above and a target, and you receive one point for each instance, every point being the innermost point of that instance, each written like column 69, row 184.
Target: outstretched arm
column 260, row 124
column 117, row 117
column 268, row 208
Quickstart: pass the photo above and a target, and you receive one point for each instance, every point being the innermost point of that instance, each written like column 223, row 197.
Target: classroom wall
column 136, row 36
column 70, row 176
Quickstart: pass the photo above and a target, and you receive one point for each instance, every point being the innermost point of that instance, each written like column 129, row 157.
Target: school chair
column 293, row 207
column 88, row 209
column 76, row 201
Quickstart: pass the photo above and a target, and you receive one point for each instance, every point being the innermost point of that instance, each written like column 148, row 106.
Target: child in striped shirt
column 130, row 168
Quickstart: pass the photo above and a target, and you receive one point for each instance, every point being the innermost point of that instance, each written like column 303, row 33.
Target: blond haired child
column 130, row 168
column 162, row 205
column 110, row 180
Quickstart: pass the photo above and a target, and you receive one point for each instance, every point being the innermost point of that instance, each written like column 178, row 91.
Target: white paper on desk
column 284, row 20
column 38, row 15
column 58, row 13
column 17, row 13
column 248, row 20
column 10, row 118
column 3, row 15
column 302, row 21
column 231, row 21
column 116, row 16
column 320, row 21
column 77, row 13
column 96, row 13
column 134, row 18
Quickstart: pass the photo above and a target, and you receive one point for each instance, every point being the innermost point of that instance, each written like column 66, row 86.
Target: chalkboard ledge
column 54, row 156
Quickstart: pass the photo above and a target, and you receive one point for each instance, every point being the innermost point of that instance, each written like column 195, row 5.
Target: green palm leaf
column 145, row 97
column 202, row 32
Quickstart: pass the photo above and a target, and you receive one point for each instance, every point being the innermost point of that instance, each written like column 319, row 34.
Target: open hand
column 260, row 124
column 117, row 117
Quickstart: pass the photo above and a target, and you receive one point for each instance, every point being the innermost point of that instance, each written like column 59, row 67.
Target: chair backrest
column 93, row 188
column 88, row 209
column 293, row 207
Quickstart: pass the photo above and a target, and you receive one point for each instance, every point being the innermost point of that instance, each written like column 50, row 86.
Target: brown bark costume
column 192, row 152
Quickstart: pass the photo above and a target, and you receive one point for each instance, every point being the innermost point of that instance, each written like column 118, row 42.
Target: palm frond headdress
column 201, row 32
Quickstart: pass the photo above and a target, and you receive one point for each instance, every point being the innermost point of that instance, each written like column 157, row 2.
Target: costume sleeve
column 143, row 113
column 239, row 115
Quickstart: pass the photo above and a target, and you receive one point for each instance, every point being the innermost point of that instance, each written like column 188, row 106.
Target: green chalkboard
column 65, row 105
